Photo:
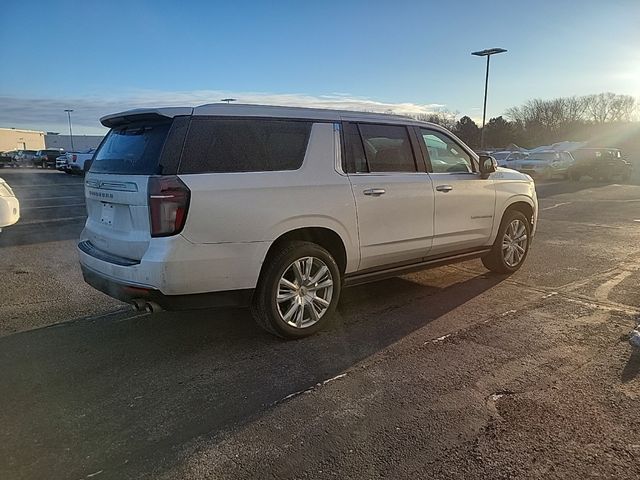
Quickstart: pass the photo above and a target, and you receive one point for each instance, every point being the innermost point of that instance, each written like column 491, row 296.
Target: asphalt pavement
column 447, row 373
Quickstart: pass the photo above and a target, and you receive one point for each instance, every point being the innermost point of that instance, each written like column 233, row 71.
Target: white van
column 280, row 208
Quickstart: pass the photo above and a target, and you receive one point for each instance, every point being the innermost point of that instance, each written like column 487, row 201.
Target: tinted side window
column 355, row 161
column 387, row 148
column 446, row 156
column 244, row 145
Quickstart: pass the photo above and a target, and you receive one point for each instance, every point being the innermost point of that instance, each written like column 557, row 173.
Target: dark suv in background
column 47, row 158
column 599, row 164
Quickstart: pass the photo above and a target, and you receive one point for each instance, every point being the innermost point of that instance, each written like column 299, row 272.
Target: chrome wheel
column 304, row 293
column 514, row 243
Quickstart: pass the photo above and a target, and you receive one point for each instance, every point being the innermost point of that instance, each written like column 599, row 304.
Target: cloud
column 48, row 113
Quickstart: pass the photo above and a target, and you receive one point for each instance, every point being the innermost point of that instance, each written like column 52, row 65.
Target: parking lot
column 447, row 373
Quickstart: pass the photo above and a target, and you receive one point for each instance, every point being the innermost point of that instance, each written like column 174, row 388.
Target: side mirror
column 488, row 165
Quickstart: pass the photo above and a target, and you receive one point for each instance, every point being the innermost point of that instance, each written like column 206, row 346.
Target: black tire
column 264, row 307
column 495, row 260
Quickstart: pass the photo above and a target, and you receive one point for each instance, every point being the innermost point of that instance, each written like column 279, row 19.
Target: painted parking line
column 54, row 206
column 556, row 205
column 18, row 186
column 48, row 198
column 53, row 220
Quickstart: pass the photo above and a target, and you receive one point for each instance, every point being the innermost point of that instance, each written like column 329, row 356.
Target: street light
column 486, row 53
column 70, row 131
column 228, row 100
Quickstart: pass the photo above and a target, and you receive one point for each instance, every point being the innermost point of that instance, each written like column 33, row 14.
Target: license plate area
column 107, row 214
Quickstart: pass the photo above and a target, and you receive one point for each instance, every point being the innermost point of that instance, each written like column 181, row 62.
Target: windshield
column 500, row 155
column 134, row 149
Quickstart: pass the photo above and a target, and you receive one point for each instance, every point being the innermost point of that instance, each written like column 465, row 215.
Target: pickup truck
column 79, row 162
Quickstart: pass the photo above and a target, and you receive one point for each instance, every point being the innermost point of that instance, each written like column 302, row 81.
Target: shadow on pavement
column 33, row 234
column 549, row 189
column 632, row 368
column 123, row 394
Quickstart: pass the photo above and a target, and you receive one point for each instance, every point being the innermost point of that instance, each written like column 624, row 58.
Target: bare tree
column 575, row 108
column 444, row 117
column 610, row 107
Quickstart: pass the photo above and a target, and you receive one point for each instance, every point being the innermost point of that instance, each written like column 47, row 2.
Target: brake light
column 168, row 205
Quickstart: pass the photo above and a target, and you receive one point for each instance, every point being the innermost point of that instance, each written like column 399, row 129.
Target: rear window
column 132, row 149
column 244, row 145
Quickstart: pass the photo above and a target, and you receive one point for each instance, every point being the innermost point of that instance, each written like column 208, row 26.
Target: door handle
column 444, row 188
column 376, row 192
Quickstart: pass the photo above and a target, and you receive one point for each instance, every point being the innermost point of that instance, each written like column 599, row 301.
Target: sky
column 100, row 57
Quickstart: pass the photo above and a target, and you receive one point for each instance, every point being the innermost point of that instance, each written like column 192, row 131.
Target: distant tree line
column 542, row 122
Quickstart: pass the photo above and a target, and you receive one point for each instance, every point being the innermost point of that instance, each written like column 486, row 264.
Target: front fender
column 508, row 202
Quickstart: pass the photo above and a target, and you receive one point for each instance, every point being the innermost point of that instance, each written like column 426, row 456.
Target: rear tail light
column 74, row 158
column 168, row 205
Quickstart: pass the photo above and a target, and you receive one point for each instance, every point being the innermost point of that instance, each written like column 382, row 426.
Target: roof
column 21, row 130
column 565, row 146
column 245, row 110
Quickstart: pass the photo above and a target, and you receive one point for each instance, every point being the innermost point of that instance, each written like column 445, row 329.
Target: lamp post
column 486, row 53
column 70, row 131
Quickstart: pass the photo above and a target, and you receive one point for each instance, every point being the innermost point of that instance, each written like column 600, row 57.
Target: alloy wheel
column 514, row 243
column 304, row 292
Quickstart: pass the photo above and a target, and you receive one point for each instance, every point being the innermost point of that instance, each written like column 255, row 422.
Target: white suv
column 280, row 208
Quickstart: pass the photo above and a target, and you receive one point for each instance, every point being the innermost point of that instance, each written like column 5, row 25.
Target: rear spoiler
column 144, row 115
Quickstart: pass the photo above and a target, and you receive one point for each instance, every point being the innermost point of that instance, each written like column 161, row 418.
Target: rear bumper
column 128, row 292
column 174, row 267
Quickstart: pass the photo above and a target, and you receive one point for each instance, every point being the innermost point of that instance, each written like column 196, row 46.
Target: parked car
column 505, row 157
column 61, row 163
column 9, row 206
column 7, row 158
column 79, row 162
column 546, row 164
column 600, row 164
column 47, row 158
column 25, row 158
column 280, row 208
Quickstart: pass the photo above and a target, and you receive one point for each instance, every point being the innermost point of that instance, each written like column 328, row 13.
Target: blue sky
column 100, row 56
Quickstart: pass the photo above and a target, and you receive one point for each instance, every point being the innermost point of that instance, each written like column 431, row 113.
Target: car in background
column 79, row 162
column 61, row 162
column 7, row 158
column 600, row 164
column 25, row 158
column 47, row 158
column 505, row 157
column 545, row 164
column 9, row 206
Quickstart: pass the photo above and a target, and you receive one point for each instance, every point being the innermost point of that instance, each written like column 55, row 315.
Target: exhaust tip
column 152, row 307
column 138, row 304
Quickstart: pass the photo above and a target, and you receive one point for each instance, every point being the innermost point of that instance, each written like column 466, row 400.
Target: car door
column 464, row 202
column 392, row 191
